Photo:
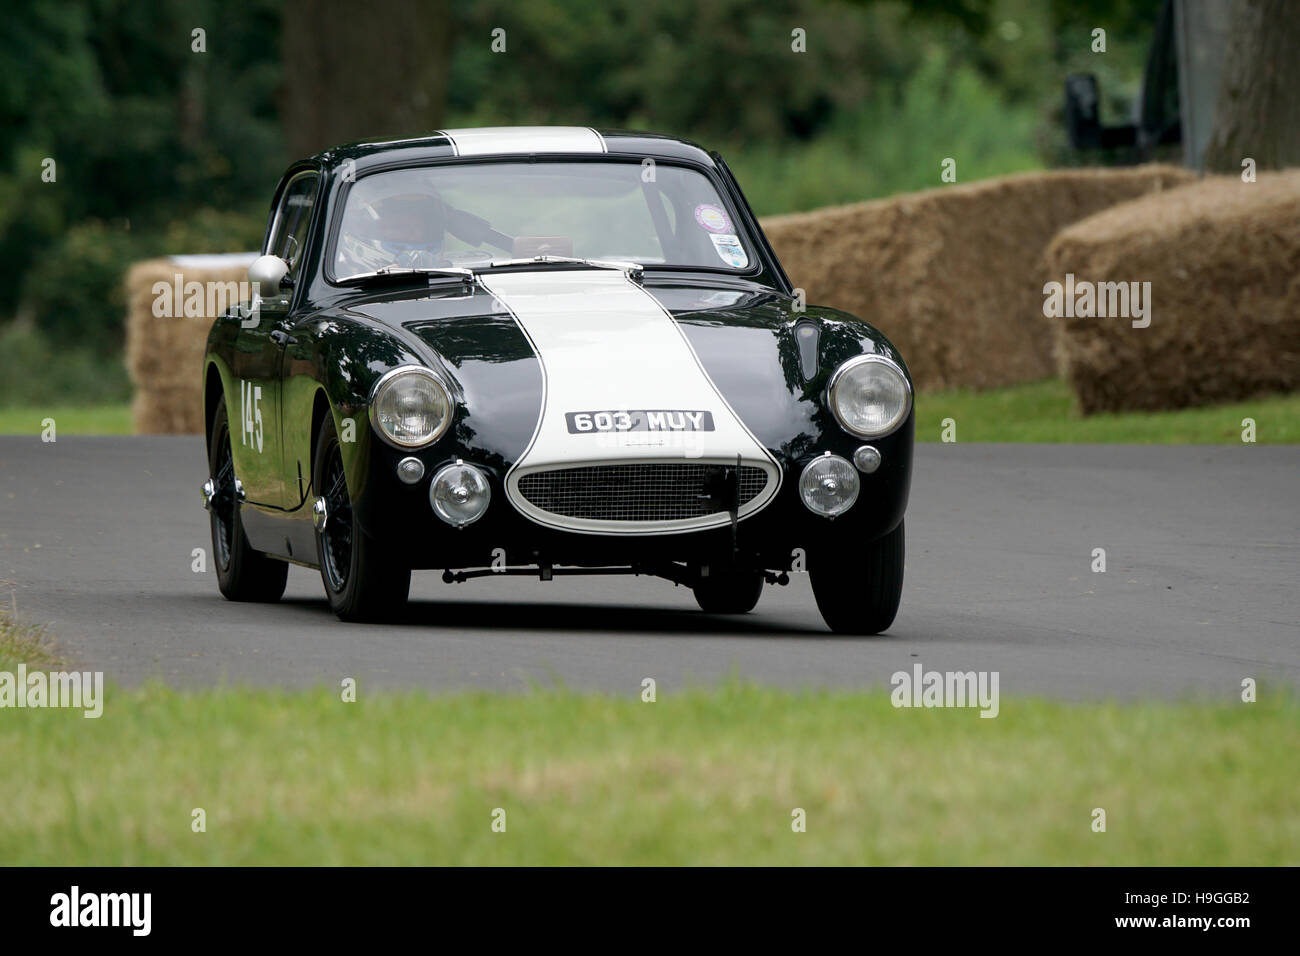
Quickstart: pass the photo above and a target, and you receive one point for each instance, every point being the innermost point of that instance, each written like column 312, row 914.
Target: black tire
column 729, row 592
column 362, row 581
column 858, row 588
column 242, row 573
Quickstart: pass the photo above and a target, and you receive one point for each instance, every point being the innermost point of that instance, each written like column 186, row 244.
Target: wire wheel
column 336, row 537
column 224, row 501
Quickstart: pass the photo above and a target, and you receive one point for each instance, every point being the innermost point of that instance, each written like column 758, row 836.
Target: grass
column 708, row 776
column 1046, row 412
column 704, row 777
column 68, row 420
column 1040, row 412
column 25, row 643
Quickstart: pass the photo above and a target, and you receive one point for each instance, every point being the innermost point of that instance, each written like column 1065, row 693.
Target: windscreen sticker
column 712, row 218
column 730, row 250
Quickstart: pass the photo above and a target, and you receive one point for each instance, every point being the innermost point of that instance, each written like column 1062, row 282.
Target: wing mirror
column 269, row 274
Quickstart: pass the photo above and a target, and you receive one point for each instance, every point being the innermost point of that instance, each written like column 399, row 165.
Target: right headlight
column 870, row 396
column 410, row 407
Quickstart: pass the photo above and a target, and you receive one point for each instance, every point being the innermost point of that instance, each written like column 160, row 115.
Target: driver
column 405, row 229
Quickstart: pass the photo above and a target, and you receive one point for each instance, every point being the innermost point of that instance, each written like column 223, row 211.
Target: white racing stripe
column 607, row 346
column 498, row 140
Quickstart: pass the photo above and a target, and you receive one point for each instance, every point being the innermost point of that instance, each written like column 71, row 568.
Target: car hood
column 530, row 350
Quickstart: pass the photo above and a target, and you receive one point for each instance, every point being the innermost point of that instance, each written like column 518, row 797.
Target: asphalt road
column 1202, row 547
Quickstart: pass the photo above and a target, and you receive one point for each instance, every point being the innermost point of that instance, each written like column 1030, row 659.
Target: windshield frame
column 755, row 247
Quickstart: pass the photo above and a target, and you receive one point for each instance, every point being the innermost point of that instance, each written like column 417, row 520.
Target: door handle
column 282, row 338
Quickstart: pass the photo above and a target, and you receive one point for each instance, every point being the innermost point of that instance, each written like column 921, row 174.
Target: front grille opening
column 656, row 491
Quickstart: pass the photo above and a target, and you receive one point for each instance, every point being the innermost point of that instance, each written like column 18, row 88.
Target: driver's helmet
column 403, row 225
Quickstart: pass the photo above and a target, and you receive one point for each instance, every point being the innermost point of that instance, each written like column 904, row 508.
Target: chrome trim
column 854, row 363
column 239, row 490
column 653, row 527
column 320, row 514
column 404, row 370
column 209, row 492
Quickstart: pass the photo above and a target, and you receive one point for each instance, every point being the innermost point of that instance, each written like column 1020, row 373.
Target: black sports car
column 547, row 351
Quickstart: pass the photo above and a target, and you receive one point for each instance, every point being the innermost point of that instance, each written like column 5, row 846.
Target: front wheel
column 858, row 587
column 729, row 592
column 362, row 581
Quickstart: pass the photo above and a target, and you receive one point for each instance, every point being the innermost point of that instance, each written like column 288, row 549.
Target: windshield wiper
column 402, row 272
column 633, row 269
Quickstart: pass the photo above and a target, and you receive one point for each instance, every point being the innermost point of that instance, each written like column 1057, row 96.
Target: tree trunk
column 374, row 70
column 1257, row 114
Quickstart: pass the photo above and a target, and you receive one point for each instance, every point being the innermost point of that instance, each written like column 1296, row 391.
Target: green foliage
column 75, row 289
column 36, row 371
column 723, row 69
column 160, row 149
column 893, row 144
column 140, row 126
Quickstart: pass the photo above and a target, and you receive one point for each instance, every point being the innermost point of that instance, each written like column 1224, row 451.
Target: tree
column 1258, row 110
column 377, row 69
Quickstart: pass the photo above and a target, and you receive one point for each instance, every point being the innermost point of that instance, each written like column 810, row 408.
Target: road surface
column 1202, row 548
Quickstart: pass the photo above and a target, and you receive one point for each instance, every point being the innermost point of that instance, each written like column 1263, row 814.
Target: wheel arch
column 213, row 389
column 321, row 406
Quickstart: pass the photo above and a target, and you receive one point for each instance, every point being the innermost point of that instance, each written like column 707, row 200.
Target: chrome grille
column 655, row 491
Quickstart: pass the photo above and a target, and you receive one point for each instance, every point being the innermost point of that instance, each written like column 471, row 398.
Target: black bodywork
column 319, row 348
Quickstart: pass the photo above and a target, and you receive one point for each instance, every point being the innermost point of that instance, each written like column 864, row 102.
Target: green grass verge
column 702, row 777
column 25, row 643
column 68, row 420
column 1040, row 412
column 1046, row 412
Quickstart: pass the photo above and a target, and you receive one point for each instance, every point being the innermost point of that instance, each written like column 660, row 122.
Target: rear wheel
column 729, row 592
column 362, row 581
column 242, row 573
column 858, row 588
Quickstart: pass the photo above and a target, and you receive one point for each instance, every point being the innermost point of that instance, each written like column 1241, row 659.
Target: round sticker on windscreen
column 712, row 218
column 730, row 251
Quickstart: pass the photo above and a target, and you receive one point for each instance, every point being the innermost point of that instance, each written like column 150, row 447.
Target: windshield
column 468, row 215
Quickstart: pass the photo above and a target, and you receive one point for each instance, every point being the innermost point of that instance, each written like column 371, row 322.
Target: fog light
column 459, row 494
column 867, row 459
column 410, row 470
column 828, row 485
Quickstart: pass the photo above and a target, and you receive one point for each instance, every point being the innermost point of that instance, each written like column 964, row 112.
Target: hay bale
column 1223, row 260
column 952, row 275
column 164, row 353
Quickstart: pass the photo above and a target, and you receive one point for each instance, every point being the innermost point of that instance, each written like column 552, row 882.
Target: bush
column 36, row 371
column 74, row 294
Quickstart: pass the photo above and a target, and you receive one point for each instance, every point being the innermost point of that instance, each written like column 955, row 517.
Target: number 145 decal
column 250, row 431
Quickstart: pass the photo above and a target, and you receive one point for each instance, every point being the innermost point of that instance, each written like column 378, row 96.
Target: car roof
column 495, row 141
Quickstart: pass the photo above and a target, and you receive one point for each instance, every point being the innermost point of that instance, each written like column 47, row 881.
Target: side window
column 289, row 232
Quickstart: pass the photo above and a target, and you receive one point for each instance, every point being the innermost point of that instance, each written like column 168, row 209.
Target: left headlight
column 870, row 396
column 410, row 407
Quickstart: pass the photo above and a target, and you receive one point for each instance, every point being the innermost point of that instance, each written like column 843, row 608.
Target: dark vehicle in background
column 547, row 351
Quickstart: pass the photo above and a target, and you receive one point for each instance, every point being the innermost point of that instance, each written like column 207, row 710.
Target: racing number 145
column 250, row 431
